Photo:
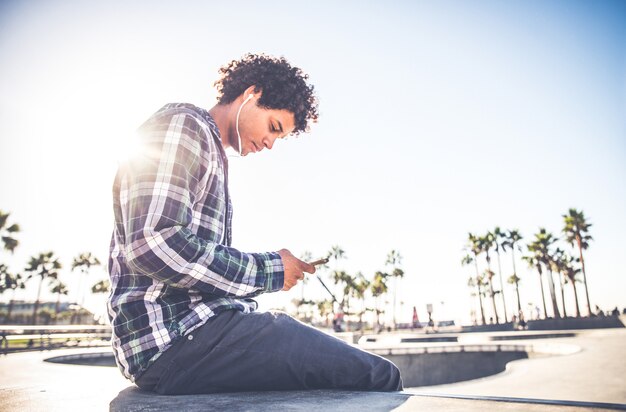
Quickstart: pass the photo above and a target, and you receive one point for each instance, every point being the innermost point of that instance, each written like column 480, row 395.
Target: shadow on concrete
column 87, row 359
column 134, row 399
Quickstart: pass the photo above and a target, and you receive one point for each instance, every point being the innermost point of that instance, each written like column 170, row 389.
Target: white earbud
column 250, row 96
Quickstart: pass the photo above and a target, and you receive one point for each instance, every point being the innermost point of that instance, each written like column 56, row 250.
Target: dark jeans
column 265, row 351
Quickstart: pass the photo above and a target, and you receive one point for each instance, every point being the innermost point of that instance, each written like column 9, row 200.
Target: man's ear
column 252, row 90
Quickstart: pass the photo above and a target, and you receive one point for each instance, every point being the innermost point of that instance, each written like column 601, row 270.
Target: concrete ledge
column 133, row 400
column 603, row 322
column 597, row 322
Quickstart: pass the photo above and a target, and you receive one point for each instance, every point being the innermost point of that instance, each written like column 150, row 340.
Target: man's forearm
column 177, row 257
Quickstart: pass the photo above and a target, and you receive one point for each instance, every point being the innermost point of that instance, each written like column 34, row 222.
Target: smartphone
column 319, row 262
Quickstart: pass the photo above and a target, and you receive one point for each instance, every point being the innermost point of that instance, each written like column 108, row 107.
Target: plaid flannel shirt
column 170, row 263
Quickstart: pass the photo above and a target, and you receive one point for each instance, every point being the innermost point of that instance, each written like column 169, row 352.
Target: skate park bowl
column 419, row 365
column 438, row 365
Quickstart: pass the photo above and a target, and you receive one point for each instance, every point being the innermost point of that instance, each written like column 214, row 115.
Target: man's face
column 259, row 127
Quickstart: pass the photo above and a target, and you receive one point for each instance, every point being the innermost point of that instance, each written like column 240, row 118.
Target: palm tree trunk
column 79, row 297
column 36, row 306
column 519, row 303
column 502, row 287
column 377, row 315
column 395, row 289
column 543, row 297
column 555, row 306
column 493, row 300
column 361, row 314
column 480, row 301
column 582, row 262
column 10, row 309
column 480, row 298
column 575, row 298
column 493, row 295
column 56, row 307
column 81, row 293
column 347, row 313
column 562, row 294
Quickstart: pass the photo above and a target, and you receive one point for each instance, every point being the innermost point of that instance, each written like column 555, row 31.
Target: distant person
column 415, row 324
column 181, row 306
column 338, row 321
column 599, row 311
column 521, row 321
column 615, row 311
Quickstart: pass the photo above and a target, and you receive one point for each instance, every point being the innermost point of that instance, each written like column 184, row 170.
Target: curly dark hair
column 282, row 86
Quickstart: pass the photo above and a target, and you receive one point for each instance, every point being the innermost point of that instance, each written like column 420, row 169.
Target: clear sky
column 437, row 118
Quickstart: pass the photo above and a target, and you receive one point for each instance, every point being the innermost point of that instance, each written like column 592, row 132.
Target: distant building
column 22, row 313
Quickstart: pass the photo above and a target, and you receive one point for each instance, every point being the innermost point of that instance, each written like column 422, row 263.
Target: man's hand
column 294, row 268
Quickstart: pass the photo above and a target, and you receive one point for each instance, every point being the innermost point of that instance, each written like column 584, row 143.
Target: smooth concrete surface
column 596, row 372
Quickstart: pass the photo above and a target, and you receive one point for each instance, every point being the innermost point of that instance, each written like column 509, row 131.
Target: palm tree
column 478, row 283
column 7, row 232
column 576, row 229
column 514, row 280
column 558, row 263
column 325, row 308
column 475, row 247
column 486, row 243
column 379, row 288
column 59, row 288
column 306, row 257
column 349, row 283
column 534, row 262
column 9, row 281
column 103, row 286
column 489, row 275
column 565, row 264
column 499, row 238
column 570, row 274
column 44, row 266
column 336, row 253
column 512, row 238
column 340, row 278
column 360, row 287
column 394, row 260
column 475, row 282
column 541, row 247
column 83, row 262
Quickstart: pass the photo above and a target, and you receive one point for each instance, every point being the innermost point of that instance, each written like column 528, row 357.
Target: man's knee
column 395, row 379
column 387, row 377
